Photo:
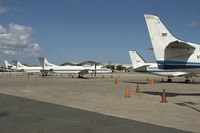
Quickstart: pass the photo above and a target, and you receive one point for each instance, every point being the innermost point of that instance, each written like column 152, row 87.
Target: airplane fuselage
column 76, row 69
column 29, row 69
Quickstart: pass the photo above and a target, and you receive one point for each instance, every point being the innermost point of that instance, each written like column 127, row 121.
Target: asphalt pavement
column 22, row 115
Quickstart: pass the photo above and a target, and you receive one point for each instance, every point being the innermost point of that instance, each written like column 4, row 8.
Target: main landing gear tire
column 187, row 81
column 169, row 80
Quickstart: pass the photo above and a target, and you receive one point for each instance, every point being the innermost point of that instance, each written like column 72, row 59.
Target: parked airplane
column 27, row 69
column 80, row 70
column 8, row 67
column 171, row 53
column 139, row 65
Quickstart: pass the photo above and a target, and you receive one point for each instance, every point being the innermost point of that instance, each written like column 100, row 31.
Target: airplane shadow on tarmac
column 139, row 82
column 160, row 82
column 189, row 105
column 169, row 94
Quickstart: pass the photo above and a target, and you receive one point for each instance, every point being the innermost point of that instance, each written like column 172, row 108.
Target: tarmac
column 97, row 104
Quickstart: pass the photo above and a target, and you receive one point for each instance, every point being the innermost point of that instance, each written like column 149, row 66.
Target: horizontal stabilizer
column 180, row 45
column 178, row 50
column 142, row 68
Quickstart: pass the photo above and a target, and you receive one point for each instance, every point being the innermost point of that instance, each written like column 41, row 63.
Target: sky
column 97, row 30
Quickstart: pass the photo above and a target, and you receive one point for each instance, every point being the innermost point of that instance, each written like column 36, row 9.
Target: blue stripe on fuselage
column 177, row 64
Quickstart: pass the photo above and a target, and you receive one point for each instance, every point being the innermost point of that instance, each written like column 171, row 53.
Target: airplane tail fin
column 7, row 64
column 41, row 60
column 44, row 62
column 159, row 34
column 18, row 65
column 136, row 59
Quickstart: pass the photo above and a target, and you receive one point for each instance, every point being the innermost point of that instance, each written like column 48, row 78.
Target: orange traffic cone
column 116, row 81
column 163, row 95
column 127, row 92
column 137, row 88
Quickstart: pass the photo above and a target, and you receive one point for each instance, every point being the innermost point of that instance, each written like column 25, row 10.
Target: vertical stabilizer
column 159, row 34
column 136, row 59
column 44, row 63
column 41, row 60
column 18, row 65
column 7, row 65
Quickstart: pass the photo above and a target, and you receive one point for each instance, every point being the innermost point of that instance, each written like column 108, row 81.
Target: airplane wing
column 83, row 72
column 142, row 68
column 181, row 74
column 46, row 71
column 173, row 74
column 185, row 74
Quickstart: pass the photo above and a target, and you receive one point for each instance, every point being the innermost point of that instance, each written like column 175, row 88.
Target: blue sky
column 98, row 30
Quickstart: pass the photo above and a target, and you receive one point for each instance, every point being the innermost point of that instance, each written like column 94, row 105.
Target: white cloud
column 193, row 23
column 2, row 30
column 17, row 39
column 32, row 49
column 3, row 10
column 9, row 52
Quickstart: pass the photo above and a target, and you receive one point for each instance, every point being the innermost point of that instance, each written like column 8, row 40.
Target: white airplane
column 171, row 53
column 27, row 69
column 8, row 66
column 80, row 70
column 139, row 65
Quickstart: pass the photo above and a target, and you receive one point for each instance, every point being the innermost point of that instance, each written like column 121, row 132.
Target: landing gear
column 80, row 76
column 187, row 81
column 44, row 74
column 72, row 75
column 169, row 80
